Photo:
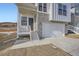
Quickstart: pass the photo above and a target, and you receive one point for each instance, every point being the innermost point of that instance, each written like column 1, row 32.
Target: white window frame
column 42, row 9
column 62, row 10
column 27, row 20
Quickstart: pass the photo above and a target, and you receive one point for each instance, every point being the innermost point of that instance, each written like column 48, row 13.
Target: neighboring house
column 47, row 19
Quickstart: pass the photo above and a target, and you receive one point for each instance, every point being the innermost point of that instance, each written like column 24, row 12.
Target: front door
column 30, row 22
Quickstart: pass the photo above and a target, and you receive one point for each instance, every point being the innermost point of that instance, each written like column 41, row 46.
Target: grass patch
column 4, row 37
column 75, row 36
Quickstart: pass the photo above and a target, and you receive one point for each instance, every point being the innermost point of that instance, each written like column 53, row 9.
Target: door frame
column 27, row 20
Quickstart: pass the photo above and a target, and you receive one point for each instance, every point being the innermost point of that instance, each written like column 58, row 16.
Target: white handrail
column 30, row 33
column 74, row 28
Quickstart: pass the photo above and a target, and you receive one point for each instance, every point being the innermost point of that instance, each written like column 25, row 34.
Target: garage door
column 53, row 29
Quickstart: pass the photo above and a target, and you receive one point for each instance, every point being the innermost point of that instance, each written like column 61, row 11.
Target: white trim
column 42, row 12
column 18, row 18
column 27, row 16
column 28, row 8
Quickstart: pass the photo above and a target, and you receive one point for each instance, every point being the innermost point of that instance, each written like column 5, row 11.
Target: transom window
column 62, row 9
column 42, row 7
column 24, row 21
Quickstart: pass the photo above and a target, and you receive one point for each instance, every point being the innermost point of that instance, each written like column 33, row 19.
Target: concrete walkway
column 67, row 44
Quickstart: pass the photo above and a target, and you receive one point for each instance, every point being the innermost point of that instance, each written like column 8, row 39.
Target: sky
column 8, row 12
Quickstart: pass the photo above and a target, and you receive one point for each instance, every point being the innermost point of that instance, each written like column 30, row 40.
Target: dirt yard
column 42, row 50
column 4, row 37
column 7, row 30
column 6, row 40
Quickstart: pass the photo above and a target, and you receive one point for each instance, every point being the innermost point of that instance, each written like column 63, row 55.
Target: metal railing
column 73, row 28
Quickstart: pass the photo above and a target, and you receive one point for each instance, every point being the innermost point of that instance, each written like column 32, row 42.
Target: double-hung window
column 62, row 9
column 42, row 7
column 45, row 7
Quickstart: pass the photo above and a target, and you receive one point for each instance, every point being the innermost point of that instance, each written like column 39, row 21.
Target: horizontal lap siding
column 56, row 17
column 41, row 18
column 53, row 29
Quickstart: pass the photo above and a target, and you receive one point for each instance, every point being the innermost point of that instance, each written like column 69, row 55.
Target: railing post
column 30, row 33
column 73, row 28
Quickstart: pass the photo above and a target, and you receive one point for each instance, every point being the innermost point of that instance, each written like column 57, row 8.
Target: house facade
column 75, row 15
column 73, row 26
column 46, row 19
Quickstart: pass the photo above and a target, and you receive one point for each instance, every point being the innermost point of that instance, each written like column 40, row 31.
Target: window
column 62, row 9
column 45, row 7
column 30, row 21
column 42, row 7
column 24, row 21
column 60, row 6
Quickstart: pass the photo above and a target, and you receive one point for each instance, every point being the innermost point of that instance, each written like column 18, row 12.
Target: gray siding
column 41, row 18
column 60, row 18
column 52, row 14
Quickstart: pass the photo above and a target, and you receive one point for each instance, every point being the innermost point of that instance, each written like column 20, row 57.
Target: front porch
column 26, row 19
